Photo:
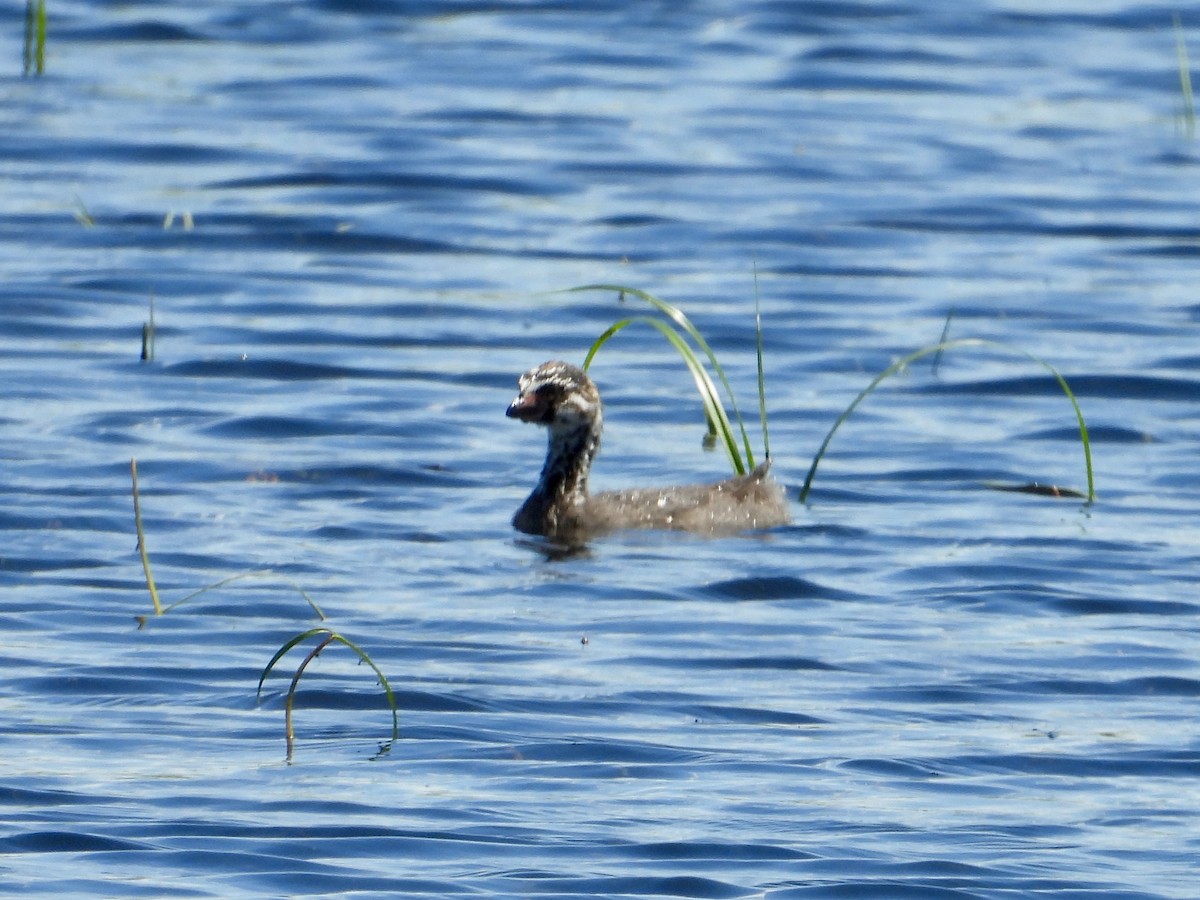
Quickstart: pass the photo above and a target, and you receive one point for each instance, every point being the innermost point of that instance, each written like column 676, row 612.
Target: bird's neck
column 569, row 456
column 563, row 485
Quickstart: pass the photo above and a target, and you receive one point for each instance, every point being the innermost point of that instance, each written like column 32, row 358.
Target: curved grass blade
column 282, row 651
column 938, row 348
column 332, row 636
column 676, row 315
column 713, row 409
column 159, row 609
column 261, row 573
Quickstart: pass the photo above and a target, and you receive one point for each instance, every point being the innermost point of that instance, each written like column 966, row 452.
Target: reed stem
column 141, row 541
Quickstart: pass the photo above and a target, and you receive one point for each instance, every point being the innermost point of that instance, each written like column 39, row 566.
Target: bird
column 561, row 397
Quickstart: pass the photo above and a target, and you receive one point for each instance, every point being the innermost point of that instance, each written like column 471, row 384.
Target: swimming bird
column 563, row 398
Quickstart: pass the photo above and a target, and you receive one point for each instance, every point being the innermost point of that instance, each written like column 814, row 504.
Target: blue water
column 350, row 219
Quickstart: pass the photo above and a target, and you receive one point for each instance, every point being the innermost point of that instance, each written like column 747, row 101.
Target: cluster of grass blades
column 690, row 344
column 330, row 636
column 35, row 37
column 678, row 329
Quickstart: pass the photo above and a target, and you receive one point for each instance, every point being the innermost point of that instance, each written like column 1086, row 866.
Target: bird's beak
column 525, row 407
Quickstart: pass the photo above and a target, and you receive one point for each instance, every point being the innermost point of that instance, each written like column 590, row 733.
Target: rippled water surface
column 351, row 219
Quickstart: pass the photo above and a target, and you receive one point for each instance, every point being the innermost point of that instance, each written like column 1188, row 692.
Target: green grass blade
column 82, row 215
column 714, row 411
column 938, row 348
column 762, row 384
column 141, row 541
column 159, row 609
column 40, row 55
column 676, row 315
column 387, row 688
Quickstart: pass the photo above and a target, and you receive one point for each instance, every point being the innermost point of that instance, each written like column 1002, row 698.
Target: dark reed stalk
column 937, row 357
column 148, row 333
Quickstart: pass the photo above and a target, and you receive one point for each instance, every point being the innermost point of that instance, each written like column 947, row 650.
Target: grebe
column 564, row 399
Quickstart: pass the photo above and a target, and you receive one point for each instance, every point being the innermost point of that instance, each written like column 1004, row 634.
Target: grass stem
column 937, row 357
column 82, row 215
column 1185, row 78
column 141, row 541
column 289, row 731
column 259, row 573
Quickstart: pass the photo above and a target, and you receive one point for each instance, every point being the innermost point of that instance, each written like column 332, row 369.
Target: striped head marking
column 556, row 394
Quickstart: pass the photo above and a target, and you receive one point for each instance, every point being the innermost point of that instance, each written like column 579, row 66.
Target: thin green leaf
column 387, row 688
column 141, row 540
column 945, row 336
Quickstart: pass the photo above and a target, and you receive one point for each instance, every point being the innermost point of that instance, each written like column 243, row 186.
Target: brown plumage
column 563, row 398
